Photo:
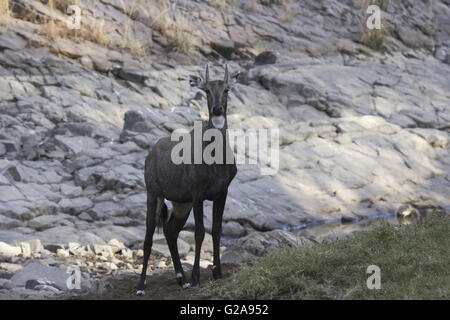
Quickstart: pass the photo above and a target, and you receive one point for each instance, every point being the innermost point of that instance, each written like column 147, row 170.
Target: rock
column 75, row 144
column 259, row 243
column 26, row 249
column 8, row 223
column 10, row 267
column 233, row 229
column 70, row 191
column 189, row 238
column 104, row 251
column 76, row 205
column 348, row 219
column 87, row 62
column 236, row 256
column 85, row 217
column 12, row 236
column 42, row 285
column 266, row 57
column 53, row 247
column 116, row 245
column 6, row 284
column 84, row 129
column 61, row 253
column 414, row 38
column 106, row 210
column 160, row 265
column 126, row 253
column 46, row 221
column 80, row 251
column 133, row 75
column 75, row 50
column 12, row 41
column 12, row 174
column 9, row 251
column 106, row 265
column 136, row 121
column 65, row 234
column 40, row 273
column 101, row 64
column 224, row 47
column 160, row 247
column 407, row 212
column 10, row 193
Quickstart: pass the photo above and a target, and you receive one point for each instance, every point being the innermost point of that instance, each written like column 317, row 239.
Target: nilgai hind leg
column 156, row 210
column 172, row 229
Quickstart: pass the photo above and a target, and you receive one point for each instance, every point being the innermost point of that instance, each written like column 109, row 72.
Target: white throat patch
column 218, row 121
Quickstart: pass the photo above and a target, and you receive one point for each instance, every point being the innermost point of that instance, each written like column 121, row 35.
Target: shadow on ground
column 161, row 286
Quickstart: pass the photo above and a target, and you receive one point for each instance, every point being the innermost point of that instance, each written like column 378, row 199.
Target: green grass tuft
column 413, row 260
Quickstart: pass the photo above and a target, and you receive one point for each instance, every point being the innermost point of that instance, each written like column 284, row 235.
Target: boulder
column 7, row 250
column 224, row 47
column 38, row 272
column 116, row 245
column 266, row 57
column 258, row 244
column 104, row 251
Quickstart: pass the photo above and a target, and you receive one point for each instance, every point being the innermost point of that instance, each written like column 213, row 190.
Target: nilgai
column 187, row 185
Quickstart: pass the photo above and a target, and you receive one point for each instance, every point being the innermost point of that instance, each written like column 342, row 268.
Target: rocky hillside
column 364, row 115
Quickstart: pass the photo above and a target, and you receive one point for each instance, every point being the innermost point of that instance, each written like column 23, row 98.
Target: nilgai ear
column 196, row 82
column 234, row 78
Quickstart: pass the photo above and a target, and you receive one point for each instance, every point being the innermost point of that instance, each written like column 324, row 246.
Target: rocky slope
column 362, row 132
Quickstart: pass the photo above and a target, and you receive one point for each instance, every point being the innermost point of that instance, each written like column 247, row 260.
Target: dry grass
column 130, row 42
column 181, row 38
column 428, row 28
column 99, row 34
column 288, row 15
column 172, row 23
column 134, row 45
column 54, row 29
column 383, row 4
column 60, row 5
column 223, row 5
column 375, row 39
column 5, row 12
column 250, row 5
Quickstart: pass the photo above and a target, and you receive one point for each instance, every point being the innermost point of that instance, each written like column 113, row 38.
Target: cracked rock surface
column 361, row 132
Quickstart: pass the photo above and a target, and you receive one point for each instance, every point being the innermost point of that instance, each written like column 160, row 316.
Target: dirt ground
column 162, row 286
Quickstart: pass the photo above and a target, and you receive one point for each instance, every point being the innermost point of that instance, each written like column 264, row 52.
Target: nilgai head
column 216, row 93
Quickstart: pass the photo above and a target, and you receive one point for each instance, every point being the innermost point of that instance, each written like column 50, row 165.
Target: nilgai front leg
column 218, row 207
column 199, row 236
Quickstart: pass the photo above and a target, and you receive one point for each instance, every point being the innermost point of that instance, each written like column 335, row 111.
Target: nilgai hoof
column 186, row 285
column 140, row 292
